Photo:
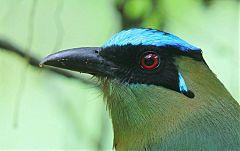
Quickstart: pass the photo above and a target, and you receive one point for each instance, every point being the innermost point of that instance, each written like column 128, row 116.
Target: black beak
column 85, row 60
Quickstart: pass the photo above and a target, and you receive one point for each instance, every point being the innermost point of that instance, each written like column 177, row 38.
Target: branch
column 33, row 61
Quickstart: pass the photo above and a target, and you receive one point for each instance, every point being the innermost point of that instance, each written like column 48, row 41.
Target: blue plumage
column 145, row 36
column 182, row 85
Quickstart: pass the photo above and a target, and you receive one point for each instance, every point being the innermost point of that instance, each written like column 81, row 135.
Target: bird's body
column 161, row 96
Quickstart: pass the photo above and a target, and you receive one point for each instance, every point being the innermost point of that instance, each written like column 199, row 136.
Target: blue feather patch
column 144, row 36
column 182, row 85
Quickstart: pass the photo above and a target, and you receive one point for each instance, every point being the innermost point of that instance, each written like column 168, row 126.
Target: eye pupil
column 149, row 60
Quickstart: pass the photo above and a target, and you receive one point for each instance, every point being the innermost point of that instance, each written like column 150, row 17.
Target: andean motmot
column 160, row 92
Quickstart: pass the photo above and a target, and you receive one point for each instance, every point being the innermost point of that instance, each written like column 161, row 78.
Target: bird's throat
column 141, row 113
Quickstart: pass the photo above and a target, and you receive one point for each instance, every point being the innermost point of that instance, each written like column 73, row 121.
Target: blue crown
column 145, row 36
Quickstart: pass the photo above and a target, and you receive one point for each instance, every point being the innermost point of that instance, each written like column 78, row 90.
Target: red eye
column 149, row 60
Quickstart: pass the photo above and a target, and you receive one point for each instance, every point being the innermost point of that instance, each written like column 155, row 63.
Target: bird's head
column 136, row 56
column 148, row 76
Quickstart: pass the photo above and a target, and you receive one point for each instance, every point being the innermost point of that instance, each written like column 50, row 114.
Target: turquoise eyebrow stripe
column 182, row 84
column 144, row 36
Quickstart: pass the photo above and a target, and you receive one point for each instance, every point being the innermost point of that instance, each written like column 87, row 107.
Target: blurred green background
column 40, row 109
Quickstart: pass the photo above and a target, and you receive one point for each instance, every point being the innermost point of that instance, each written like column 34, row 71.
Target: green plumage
column 145, row 117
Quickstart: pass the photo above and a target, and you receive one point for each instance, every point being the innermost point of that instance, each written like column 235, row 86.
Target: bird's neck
column 147, row 114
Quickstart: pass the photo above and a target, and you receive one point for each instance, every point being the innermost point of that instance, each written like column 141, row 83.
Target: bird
column 159, row 90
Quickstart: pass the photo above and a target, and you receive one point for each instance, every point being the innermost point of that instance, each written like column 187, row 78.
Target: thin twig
column 59, row 25
column 23, row 73
column 34, row 62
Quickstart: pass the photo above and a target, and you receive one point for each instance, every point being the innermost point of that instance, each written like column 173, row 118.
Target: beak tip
column 41, row 65
column 43, row 62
